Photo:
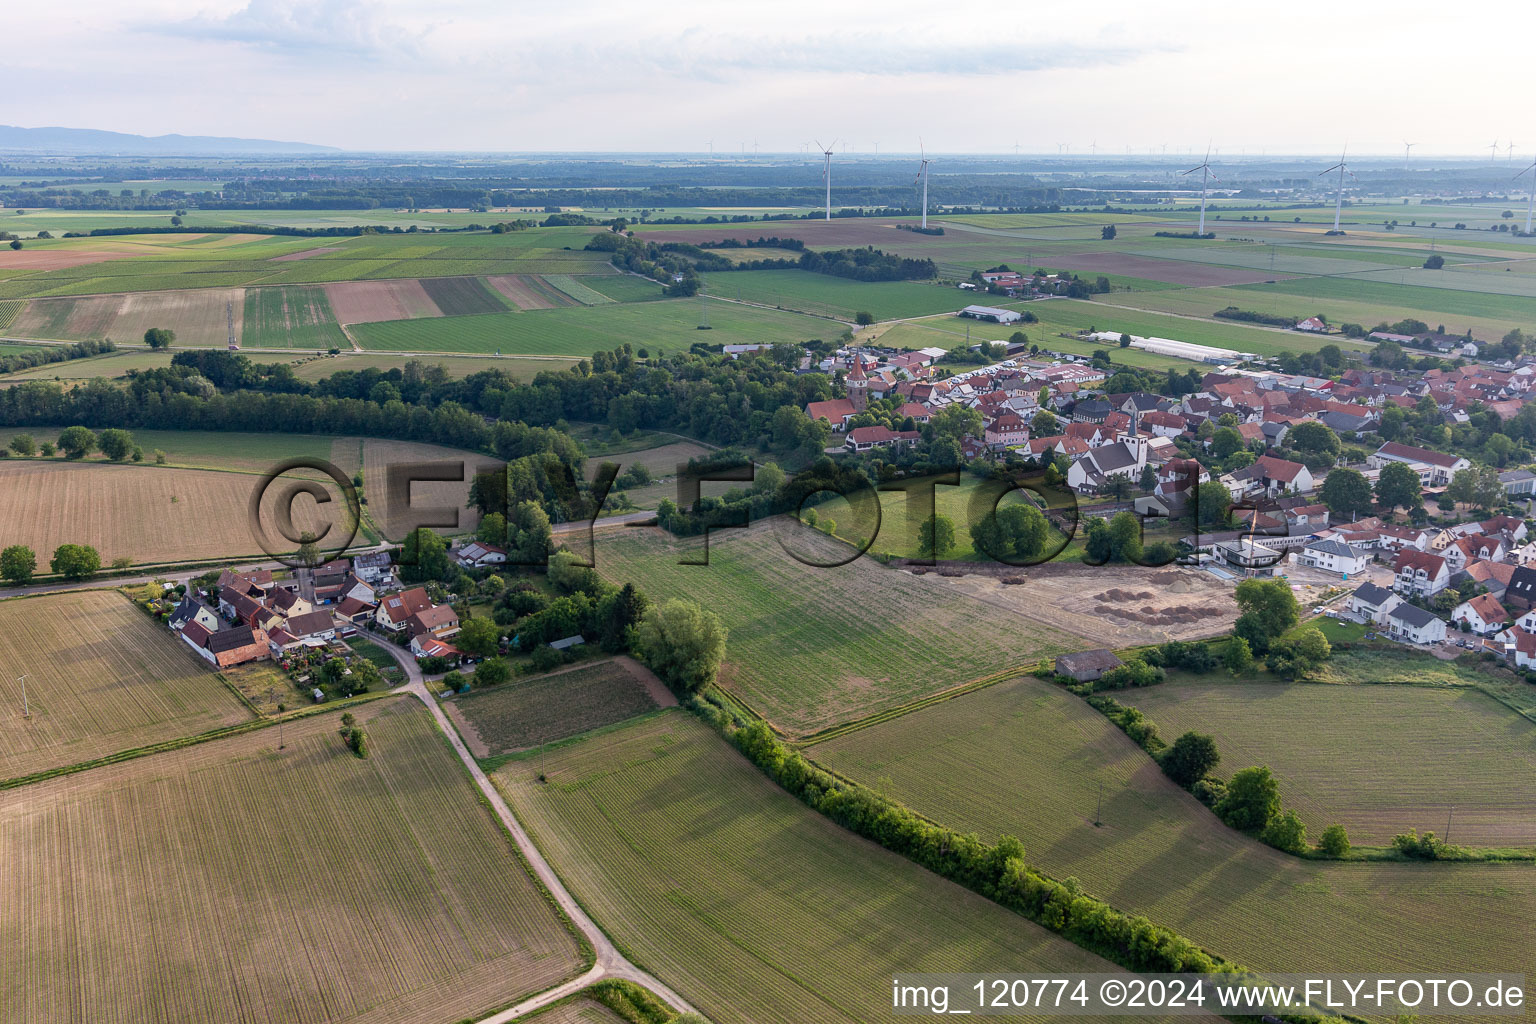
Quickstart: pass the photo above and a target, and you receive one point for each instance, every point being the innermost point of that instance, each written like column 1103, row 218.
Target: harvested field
column 758, row 909
column 534, row 710
column 102, row 677
column 1469, row 751
column 146, row 513
column 53, row 259
column 427, row 498
column 529, row 291
column 297, row 316
column 462, row 296
column 1025, row 758
column 361, row 302
column 1173, row 271
column 662, row 461
column 1110, row 605
column 197, row 316
column 231, row 881
column 814, row 647
column 305, row 254
column 86, row 319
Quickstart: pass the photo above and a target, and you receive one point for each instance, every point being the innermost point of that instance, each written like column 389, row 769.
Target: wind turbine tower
column 1407, row 152
column 1338, row 202
column 1531, row 205
column 826, row 172
column 922, row 176
column 1204, row 167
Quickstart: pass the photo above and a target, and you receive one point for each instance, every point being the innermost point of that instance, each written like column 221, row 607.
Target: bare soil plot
column 305, row 254
column 231, row 881
column 102, row 677
column 529, row 291
column 1196, row 275
column 434, row 498
column 361, row 302
column 1108, row 605
column 147, row 513
column 534, row 710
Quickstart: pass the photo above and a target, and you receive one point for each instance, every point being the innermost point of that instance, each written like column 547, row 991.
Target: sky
column 597, row 75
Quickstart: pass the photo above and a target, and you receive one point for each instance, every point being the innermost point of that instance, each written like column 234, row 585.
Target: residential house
column 330, row 578
column 478, row 555
column 287, row 602
column 1521, row 591
column 441, row 621
column 1373, row 603
column 1271, row 476
column 316, row 625
column 1177, row 479
column 1313, row 325
column 1435, row 469
column 837, row 411
column 371, row 566
column 1463, row 552
column 1523, row 649
column 245, row 610
column 1482, row 615
column 863, row 439
column 1334, row 556
column 1411, row 624
column 1493, row 575
column 192, row 610
column 396, row 609
column 428, row 646
column 1419, row 572
column 1007, row 429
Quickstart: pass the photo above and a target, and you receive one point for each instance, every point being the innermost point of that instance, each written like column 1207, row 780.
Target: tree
column 159, row 337
column 620, row 610
column 1398, row 486
column 1044, row 424
column 1314, row 438
column 1107, row 232
column 308, row 552
column 1296, row 656
column 956, row 421
column 529, row 536
column 1434, row 261
column 492, row 671
column 936, row 537
column 863, row 318
column 1269, row 609
column 17, row 564
column 1125, row 537
column 1334, row 841
column 492, row 529
column 1148, row 481
column 425, row 557
column 1192, row 757
column 1125, row 342
column 682, row 643
column 1212, row 503
column 75, row 561
column 1239, row 656
column 1347, row 493
column 77, row 442
column 23, row 445
column 1013, row 533
column 1252, row 800
column 1286, row 832
column 1226, row 441
column 116, row 444
column 478, row 636
column 16, row 244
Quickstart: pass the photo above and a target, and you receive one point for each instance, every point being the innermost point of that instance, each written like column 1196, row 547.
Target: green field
column 813, row 647
column 755, row 907
column 463, row 296
column 236, row 881
column 1468, row 752
column 582, row 330
column 825, row 295
column 533, row 710
column 578, row 290
column 523, row 368
column 232, row 451
column 1026, row 758
column 294, row 317
column 9, row 309
column 625, row 288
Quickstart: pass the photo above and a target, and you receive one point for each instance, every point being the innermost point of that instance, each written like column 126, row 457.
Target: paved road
column 610, row 963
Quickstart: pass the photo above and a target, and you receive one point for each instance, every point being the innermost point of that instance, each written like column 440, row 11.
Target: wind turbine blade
column 1192, row 170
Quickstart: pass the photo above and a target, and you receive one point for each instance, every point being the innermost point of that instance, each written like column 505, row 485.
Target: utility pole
column 280, row 709
column 1097, row 812
column 26, row 712
column 1448, row 824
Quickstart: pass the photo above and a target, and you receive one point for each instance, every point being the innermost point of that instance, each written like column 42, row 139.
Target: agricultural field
column 429, row 500
column 9, row 310
column 580, row 331
column 1025, row 758
column 112, row 366
column 334, row 889
column 625, row 288
column 577, row 289
column 533, row 710
column 836, row 297
column 361, row 302
column 757, row 908
column 293, row 317
column 530, row 291
column 581, row 1011
column 1469, row 752
column 813, row 647
column 523, row 368
column 462, row 296
column 102, row 677
column 231, row 451
column 662, row 461
column 199, row 317
column 149, row 514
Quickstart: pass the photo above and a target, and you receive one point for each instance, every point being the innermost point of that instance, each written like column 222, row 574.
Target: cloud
column 302, row 28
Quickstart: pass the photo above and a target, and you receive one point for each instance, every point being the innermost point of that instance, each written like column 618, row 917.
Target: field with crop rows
column 530, row 291
column 330, row 888
column 625, row 288
column 533, row 710
column 825, row 295
column 9, row 310
column 1469, row 752
column 756, row 908
column 1027, row 759
column 460, row 296
column 812, row 647
column 580, row 331
column 294, row 317
column 577, row 289
column 102, row 677
column 428, row 499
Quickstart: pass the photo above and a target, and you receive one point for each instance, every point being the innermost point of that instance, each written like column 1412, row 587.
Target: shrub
column 1286, row 832
column 1334, row 841
column 1192, row 757
column 1209, row 791
column 1252, row 800
column 1132, row 673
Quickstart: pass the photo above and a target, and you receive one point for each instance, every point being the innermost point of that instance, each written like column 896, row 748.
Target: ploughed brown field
column 365, row 302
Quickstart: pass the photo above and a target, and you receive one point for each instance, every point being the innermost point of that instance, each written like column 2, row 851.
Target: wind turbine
column 1407, row 152
column 1511, row 149
column 1531, row 205
column 1206, row 174
column 826, row 172
column 1493, row 150
column 1338, row 203
column 922, row 176
column 1061, row 148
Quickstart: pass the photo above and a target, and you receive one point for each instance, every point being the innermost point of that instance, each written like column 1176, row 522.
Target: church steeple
column 858, row 384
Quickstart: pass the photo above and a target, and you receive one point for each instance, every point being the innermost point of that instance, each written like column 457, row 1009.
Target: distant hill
column 89, row 140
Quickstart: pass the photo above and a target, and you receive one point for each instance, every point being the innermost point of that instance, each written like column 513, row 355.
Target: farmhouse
column 990, row 313
column 1482, row 615
column 1411, row 624
column 228, row 647
column 1086, row 666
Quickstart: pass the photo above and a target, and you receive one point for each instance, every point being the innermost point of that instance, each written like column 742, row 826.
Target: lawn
column 813, row 647
column 1339, row 753
column 534, row 710
column 825, row 295
column 581, row 330
column 755, row 907
column 102, row 677
column 1028, row 759
column 235, row 881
